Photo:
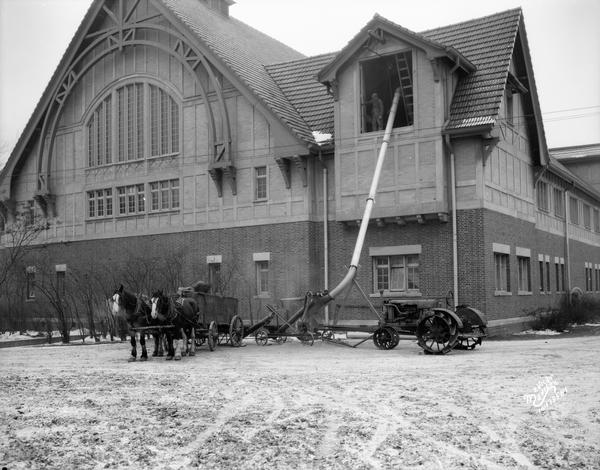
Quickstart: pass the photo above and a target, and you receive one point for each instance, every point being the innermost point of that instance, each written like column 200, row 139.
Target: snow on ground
column 507, row 405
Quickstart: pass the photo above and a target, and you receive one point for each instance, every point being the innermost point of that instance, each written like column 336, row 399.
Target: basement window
column 380, row 78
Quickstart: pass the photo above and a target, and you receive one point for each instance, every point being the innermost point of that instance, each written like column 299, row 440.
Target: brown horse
column 138, row 314
column 182, row 313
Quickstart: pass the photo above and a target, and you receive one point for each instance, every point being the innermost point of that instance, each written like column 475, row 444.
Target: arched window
column 117, row 126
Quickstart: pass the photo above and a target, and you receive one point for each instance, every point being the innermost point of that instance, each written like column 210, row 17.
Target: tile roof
column 297, row 80
column 245, row 51
column 488, row 43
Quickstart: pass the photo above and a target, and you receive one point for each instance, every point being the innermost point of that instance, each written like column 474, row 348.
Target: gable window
column 99, row 129
column 164, row 123
column 164, row 195
column 130, row 121
column 135, row 138
column 100, row 203
column 260, row 183
column 542, row 196
column 380, row 78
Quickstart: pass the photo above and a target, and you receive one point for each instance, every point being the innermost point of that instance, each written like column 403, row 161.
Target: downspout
column 567, row 249
column 325, row 232
column 454, row 223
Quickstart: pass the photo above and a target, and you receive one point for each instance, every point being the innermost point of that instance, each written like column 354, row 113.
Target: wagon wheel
column 261, row 337
column 306, row 338
column 281, row 339
column 468, row 343
column 386, row 338
column 327, row 335
column 236, row 331
column 213, row 336
column 437, row 333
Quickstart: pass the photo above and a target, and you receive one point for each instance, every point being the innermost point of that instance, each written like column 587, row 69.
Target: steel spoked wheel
column 213, row 336
column 386, row 338
column 468, row 343
column 236, row 331
column 437, row 333
column 281, row 339
column 327, row 335
column 306, row 338
column 262, row 337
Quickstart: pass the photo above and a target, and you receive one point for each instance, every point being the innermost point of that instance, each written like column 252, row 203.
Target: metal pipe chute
column 315, row 303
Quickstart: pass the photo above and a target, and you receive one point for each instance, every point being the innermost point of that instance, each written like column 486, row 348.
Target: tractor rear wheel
column 437, row 333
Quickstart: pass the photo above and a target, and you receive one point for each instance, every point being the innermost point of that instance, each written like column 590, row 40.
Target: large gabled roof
column 245, row 51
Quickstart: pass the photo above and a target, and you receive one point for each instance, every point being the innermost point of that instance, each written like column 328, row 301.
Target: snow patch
column 540, row 332
column 321, row 137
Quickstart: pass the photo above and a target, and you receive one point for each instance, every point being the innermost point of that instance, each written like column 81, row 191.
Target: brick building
column 171, row 129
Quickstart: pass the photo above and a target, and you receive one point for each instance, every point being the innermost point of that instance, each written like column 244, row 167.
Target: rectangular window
column 214, row 277
column 524, row 273
column 542, row 196
column 558, row 279
column 563, row 276
column 574, row 210
column 596, row 221
column 100, row 203
column 598, row 279
column 131, row 199
column 502, row 268
column 260, row 183
column 30, row 282
column 541, row 265
column 380, row 77
column 548, row 288
column 262, row 277
column 164, row 195
column 396, row 273
column 587, row 216
column 559, row 203
column 60, row 283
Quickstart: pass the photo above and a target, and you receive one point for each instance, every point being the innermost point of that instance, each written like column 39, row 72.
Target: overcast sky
column 563, row 35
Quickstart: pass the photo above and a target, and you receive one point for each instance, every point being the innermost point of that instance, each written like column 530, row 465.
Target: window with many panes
column 134, row 137
column 100, row 203
column 164, row 195
column 380, row 78
column 524, row 265
column 131, row 199
column 260, row 183
column 502, row 272
column 396, row 273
